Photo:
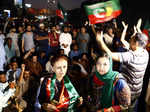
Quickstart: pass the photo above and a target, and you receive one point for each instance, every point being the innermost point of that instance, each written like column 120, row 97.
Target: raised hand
column 22, row 67
column 99, row 36
column 124, row 25
column 80, row 101
column 138, row 26
column 32, row 50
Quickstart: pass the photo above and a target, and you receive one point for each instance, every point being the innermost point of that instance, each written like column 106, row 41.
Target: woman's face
column 102, row 65
column 110, row 30
column 60, row 68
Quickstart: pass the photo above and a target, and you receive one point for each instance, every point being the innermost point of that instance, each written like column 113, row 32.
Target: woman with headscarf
column 108, row 93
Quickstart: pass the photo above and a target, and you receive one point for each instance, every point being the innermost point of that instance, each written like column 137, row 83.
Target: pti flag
column 61, row 12
column 146, row 30
column 103, row 11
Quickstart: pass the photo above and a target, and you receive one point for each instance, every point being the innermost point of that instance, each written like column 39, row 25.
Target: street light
column 28, row 5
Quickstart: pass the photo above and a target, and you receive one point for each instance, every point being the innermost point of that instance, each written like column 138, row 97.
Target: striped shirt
column 133, row 68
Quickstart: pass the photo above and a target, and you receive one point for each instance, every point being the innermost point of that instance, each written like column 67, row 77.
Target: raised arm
column 124, row 42
column 22, row 45
column 28, row 53
column 99, row 38
column 138, row 26
column 93, row 29
column 22, row 72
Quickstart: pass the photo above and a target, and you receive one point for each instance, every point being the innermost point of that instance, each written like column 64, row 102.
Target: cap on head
column 41, row 24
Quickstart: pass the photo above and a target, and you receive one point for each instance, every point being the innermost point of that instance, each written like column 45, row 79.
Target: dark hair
column 27, row 68
column 141, row 38
column 58, row 57
column 2, row 73
column 76, row 58
column 28, row 25
column 86, row 54
column 102, row 54
column 14, row 59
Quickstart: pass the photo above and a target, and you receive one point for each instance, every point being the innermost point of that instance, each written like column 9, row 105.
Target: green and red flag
column 61, row 12
column 103, row 11
column 146, row 30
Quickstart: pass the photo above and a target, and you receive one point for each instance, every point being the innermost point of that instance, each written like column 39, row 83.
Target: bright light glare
column 28, row 5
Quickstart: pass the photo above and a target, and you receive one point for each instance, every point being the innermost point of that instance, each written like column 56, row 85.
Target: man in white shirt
column 6, row 90
column 2, row 35
column 2, row 54
column 65, row 41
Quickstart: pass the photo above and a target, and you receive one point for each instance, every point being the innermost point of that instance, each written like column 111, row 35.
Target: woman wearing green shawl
column 57, row 94
column 107, row 92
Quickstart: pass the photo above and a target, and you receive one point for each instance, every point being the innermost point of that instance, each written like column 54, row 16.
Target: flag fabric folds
column 146, row 30
column 61, row 12
column 103, row 11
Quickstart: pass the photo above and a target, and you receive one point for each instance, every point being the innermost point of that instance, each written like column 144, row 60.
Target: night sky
column 67, row 4
column 132, row 9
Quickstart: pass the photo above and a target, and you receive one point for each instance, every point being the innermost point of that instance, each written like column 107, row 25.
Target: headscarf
column 107, row 90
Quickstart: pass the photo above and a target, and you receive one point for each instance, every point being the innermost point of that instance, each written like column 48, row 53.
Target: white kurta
column 65, row 38
column 2, row 54
column 4, row 96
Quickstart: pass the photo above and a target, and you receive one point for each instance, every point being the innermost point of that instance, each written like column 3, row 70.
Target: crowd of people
column 91, row 68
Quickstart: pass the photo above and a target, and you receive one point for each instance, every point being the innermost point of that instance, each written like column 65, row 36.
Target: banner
column 103, row 11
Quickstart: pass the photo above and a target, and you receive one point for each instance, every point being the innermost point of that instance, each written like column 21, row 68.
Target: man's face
column 75, row 48
column 83, row 30
column 42, row 27
column 14, row 66
column 26, row 74
column 53, row 29
column 34, row 59
column 13, row 30
column 20, row 29
column 29, row 28
column 2, row 78
column 57, row 27
column 65, row 30
column 133, row 44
